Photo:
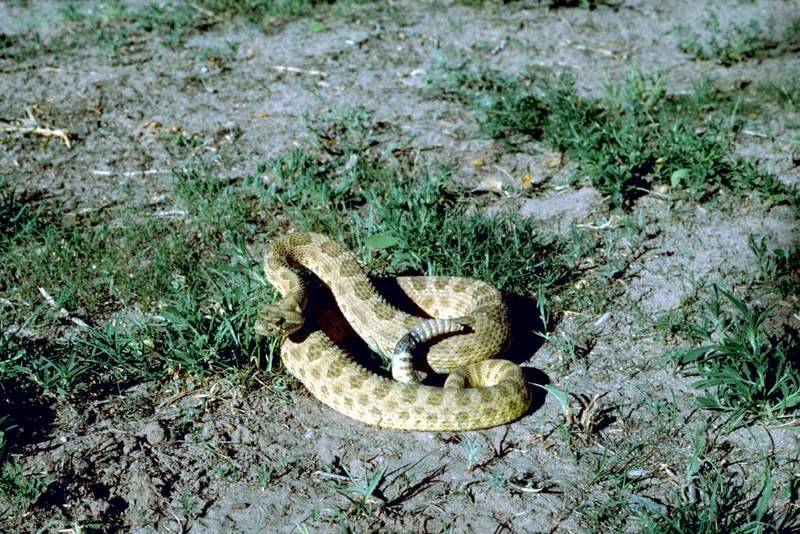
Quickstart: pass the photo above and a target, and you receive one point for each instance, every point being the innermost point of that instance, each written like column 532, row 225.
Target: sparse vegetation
column 743, row 370
column 402, row 221
column 779, row 268
column 118, row 27
column 135, row 394
column 739, row 42
column 713, row 498
column 196, row 317
column 633, row 140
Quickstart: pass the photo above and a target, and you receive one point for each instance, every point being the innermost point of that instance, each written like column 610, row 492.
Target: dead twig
column 544, row 486
column 601, row 51
column 30, row 125
column 201, row 9
column 612, row 222
column 298, row 70
column 62, row 312
column 144, row 172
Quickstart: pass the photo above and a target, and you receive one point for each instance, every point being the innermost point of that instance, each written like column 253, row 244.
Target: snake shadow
column 525, row 342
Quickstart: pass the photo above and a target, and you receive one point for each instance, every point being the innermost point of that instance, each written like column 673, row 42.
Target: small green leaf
column 381, row 241
column 685, row 356
column 561, row 396
column 678, row 176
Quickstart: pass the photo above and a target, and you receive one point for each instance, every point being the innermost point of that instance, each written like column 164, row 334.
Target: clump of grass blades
column 743, row 371
column 401, row 220
column 506, row 106
column 715, row 501
column 20, row 47
column 739, row 42
column 201, row 329
column 256, row 10
column 634, row 138
column 19, row 215
column 18, row 489
column 192, row 284
column 779, row 268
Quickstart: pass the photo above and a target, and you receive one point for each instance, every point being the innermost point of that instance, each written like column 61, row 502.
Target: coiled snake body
column 478, row 393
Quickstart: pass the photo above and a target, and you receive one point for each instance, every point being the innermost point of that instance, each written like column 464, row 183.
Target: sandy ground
column 273, row 459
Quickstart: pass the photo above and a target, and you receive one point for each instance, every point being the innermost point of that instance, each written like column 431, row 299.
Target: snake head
column 275, row 320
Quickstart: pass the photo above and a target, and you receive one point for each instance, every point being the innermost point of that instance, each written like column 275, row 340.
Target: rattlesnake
column 497, row 391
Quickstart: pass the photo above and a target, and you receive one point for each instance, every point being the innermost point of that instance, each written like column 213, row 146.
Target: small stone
column 552, row 160
column 154, row 433
column 208, row 432
column 241, row 435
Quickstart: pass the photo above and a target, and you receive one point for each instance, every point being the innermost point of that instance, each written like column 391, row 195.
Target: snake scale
column 479, row 392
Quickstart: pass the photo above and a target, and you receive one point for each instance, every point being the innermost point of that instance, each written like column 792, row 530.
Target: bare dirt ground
column 252, row 454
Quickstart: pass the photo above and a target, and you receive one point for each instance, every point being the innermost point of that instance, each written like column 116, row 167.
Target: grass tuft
column 739, row 42
column 120, row 27
column 188, row 287
column 18, row 489
column 402, row 220
column 718, row 504
column 635, row 138
column 743, row 371
column 779, row 269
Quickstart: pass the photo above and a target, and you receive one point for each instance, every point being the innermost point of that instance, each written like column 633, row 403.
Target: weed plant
column 119, row 27
column 739, row 42
column 176, row 299
column 743, row 371
column 633, row 139
column 779, row 269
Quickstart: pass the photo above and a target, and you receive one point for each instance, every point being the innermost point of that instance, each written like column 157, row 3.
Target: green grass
column 784, row 91
column 18, row 214
column 20, row 490
column 715, row 498
column 402, row 219
column 739, row 42
column 635, row 138
column 166, row 298
column 257, row 10
column 743, row 371
column 19, row 48
column 116, row 25
column 193, row 283
column 779, row 269
column 175, row 299
column 707, row 492
column 121, row 28
column 723, row 506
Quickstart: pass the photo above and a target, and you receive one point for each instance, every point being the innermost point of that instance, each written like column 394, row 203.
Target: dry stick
column 603, row 51
column 39, row 130
column 62, row 312
column 31, row 125
column 202, row 10
column 612, row 222
column 297, row 70
column 100, row 172
column 526, row 489
column 754, row 133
